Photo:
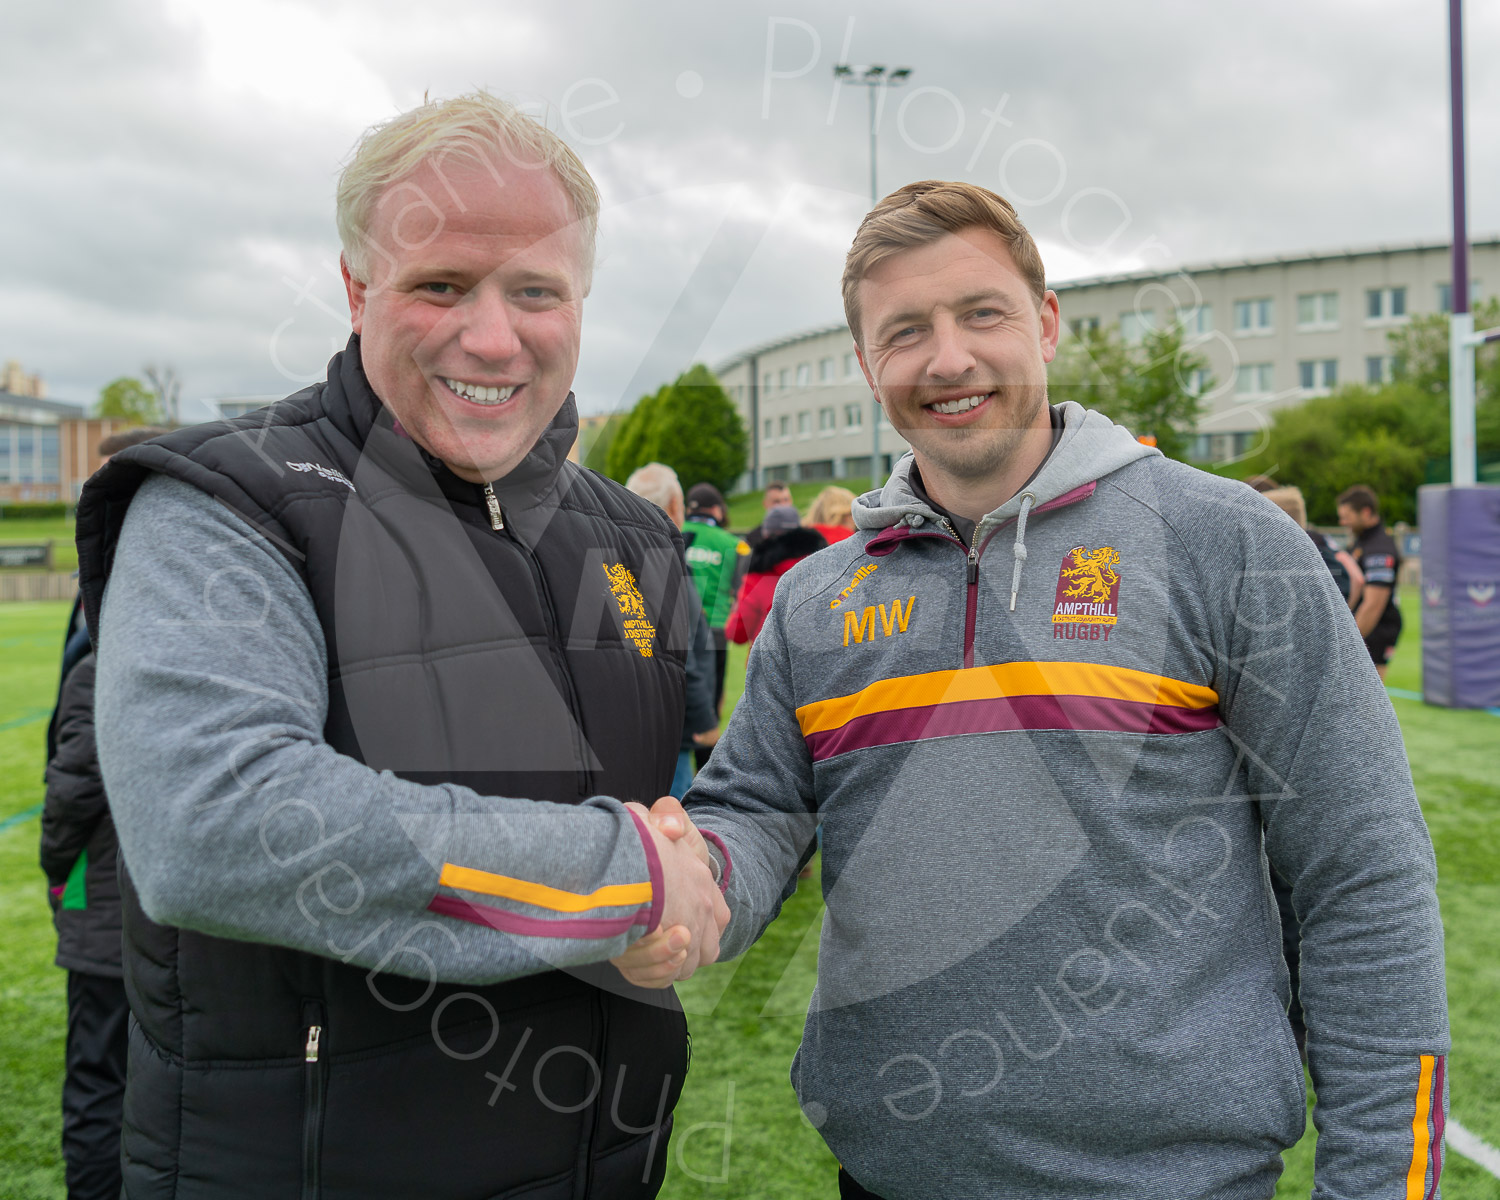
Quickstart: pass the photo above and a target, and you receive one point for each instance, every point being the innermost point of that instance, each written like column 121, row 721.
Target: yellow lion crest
column 632, row 604
column 1092, row 575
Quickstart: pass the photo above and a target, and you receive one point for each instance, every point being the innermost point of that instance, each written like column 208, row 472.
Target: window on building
column 1445, row 296
column 769, row 429
column 1318, row 374
column 854, row 416
column 5, row 456
column 818, row 470
column 804, row 424
column 1083, row 326
column 784, row 426
column 784, row 378
column 1379, row 369
column 1253, row 316
column 826, row 368
column 1196, row 320
column 1197, row 380
column 765, row 383
column 1253, row 379
column 1385, row 304
column 1134, row 325
column 1318, row 310
column 804, row 374
column 828, row 419
column 851, row 365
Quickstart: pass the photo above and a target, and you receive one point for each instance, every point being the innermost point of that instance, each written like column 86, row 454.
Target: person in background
column 78, row 854
column 786, row 543
column 1340, row 563
column 659, row 484
column 777, row 495
column 1378, row 617
column 716, row 558
column 1350, row 582
column 831, row 514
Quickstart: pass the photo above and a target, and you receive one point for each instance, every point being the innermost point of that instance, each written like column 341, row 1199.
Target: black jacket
column 230, row 1093
column 78, row 837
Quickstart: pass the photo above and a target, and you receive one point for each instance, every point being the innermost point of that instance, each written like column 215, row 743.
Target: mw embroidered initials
column 862, row 626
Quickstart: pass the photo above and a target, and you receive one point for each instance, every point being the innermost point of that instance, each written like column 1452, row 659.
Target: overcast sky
column 169, row 164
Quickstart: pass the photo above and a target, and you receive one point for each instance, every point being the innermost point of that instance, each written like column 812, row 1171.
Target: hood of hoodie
column 1091, row 447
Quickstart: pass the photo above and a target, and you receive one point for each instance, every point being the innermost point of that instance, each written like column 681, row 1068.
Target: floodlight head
column 874, row 72
column 842, row 70
column 900, row 74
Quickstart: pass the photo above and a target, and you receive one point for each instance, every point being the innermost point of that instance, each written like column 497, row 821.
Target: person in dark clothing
column 383, row 682
column 78, row 857
column 78, row 854
column 717, row 559
column 787, row 542
column 659, row 484
column 1378, row 617
column 777, row 495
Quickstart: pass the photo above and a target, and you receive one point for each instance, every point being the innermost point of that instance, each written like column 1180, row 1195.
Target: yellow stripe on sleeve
column 1416, row 1177
column 1002, row 680
column 486, row 883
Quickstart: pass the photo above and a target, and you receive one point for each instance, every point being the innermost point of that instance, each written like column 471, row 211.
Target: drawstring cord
column 1027, row 500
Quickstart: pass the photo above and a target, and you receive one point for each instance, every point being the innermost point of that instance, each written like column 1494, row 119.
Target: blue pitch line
column 20, row 818
column 34, row 714
column 1403, row 694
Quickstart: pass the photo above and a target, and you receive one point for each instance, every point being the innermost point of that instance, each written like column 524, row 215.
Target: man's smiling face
column 956, row 348
column 469, row 324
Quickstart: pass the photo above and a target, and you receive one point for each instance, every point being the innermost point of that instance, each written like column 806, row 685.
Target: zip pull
column 973, row 566
column 314, row 1036
column 492, row 502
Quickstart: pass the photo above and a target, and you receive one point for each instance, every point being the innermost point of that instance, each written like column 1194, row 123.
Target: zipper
column 601, row 1043
column 314, row 1085
column 492, row 506
column 549, row 614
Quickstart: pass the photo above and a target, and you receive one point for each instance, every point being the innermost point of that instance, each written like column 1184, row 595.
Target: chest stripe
column 1007, row 696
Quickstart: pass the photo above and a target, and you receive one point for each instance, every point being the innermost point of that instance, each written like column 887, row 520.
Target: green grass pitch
column 746, row 1016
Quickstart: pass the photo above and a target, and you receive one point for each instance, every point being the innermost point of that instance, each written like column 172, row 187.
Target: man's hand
column 694, row 913
column 708, row 737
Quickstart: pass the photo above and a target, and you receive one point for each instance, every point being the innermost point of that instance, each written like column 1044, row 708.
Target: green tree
column 1383, row 437
column 698, row 432
column 129, row 399
column 626, row 450
column 594, row 452
column 691, row 425
column 1150, row 387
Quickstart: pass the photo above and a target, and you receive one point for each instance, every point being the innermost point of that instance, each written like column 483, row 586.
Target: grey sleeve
column 1324, row 758
column 237, row 819
column 756, row 793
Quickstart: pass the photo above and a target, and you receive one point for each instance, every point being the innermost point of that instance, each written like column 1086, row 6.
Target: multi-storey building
column 1273, row 331
column 45, row 447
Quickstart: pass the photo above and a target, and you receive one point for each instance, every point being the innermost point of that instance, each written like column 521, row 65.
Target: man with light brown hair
column 1056, row 707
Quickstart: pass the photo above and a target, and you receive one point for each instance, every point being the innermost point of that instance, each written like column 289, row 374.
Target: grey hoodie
column 1049, row 773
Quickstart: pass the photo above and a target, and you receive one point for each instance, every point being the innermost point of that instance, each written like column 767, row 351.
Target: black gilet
column 566, row 1090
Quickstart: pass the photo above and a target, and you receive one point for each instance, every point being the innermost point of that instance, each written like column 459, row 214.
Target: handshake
column 694, row 912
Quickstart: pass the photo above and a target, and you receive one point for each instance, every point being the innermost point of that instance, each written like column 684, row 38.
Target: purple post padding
column 1460, row 595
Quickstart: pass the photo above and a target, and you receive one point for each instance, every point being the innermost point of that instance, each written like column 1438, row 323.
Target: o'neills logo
column 1088, row 588
column 859, row 576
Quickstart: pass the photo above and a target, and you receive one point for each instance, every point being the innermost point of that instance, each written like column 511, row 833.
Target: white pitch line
column 1474, row 1148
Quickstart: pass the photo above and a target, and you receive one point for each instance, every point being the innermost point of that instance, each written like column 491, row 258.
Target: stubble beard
column 973, row 453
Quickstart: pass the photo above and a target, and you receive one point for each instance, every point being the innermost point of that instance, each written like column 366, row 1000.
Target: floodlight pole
column 873, row 78
column 1460, row 321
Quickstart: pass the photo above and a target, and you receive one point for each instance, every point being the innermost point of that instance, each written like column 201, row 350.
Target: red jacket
column 769, row 561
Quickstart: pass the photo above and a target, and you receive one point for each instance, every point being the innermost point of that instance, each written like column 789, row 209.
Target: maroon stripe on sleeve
column 1008, row 713
column 539, row 927
column 1437, row 1126
column 653, row 870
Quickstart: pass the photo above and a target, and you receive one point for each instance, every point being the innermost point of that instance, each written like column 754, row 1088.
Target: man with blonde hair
column 1056, row 708
column 383, row 684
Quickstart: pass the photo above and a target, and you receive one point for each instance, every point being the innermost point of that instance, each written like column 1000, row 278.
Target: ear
column 1051, row 318
column 356, row 293
column 859, row 353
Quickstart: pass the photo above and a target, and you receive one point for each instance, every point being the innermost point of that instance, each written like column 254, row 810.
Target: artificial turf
column 739, row 1132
